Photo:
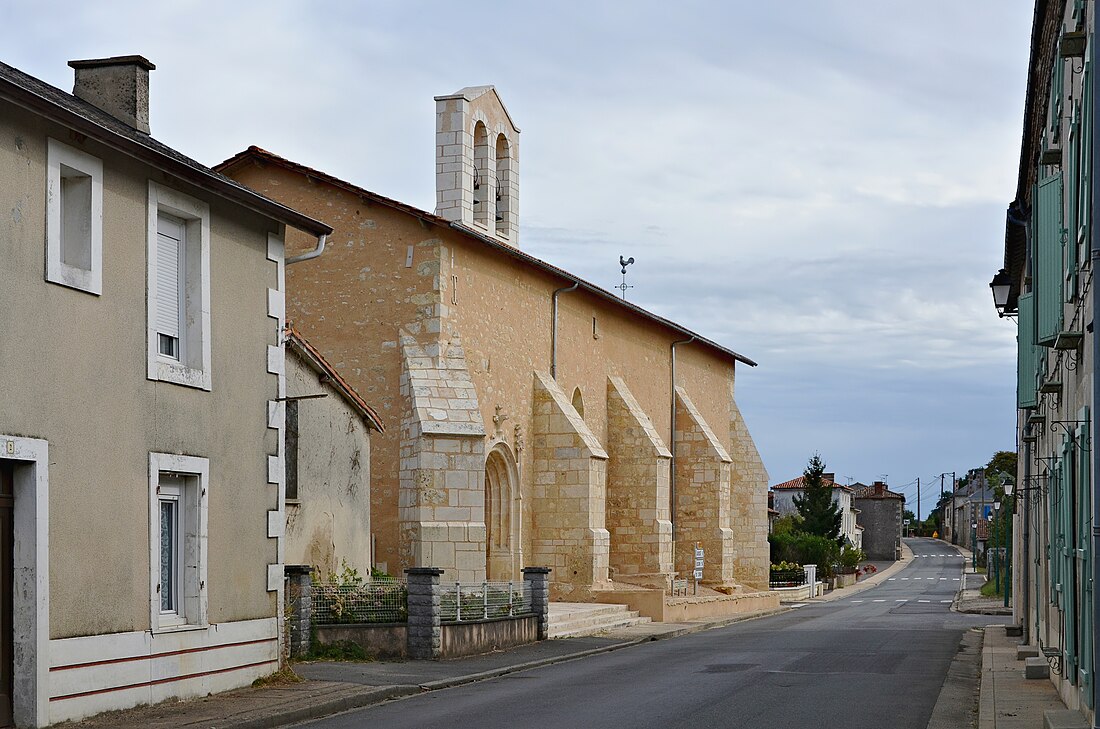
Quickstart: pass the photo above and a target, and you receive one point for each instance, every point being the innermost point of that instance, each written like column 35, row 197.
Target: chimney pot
column 118, row 85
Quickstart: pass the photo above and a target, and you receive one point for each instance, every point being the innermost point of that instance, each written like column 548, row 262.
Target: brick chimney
column 880, row 488
column 118, row 85
column 828, row 477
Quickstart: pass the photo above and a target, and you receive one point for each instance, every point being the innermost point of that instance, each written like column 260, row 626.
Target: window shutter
column 1084, row 171
column 1069, row 240
column 1027, row 361
column 1048, row 259
column 1084, row 548
column 1067, row 544
column 169, row 245
column 1054, row 558
column 1057, row 75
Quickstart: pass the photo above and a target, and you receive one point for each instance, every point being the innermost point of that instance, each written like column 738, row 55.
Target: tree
column 820, row 514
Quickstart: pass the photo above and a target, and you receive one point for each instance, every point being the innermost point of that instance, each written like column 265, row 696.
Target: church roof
column 471, row 93
column 256, row 153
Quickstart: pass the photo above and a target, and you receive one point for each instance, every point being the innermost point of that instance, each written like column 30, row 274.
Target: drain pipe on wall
column 672, row 440
column 554, row 327
column 310, row 254
column 1094, row 258
column 1023, row 481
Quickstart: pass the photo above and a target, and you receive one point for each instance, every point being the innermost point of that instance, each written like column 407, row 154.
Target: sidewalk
column 1007, row 699
column 333, row 687
column 970, row 599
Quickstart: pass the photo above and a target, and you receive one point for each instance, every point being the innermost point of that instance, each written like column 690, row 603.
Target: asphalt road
column 873, row 661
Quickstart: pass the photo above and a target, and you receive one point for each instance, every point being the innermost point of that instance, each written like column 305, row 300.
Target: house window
column 74, row 218
column 178, row 520
column 178, row 288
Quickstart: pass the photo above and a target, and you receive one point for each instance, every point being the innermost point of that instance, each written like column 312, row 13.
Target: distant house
column 327, row 450
column 141, row 473
column 842, row 495
column 880, row 515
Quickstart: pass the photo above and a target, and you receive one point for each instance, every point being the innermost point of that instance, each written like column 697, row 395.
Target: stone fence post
column 538, row 579
column 423, row 638
column 299, row 608
column 811, row 578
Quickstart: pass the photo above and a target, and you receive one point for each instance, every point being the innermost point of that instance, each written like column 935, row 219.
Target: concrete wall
column 329, row 523
column 384, row 640
column 482, row 636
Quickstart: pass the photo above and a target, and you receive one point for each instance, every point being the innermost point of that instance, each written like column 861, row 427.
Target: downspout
column 554, row 328
column 1094, row 258
column 672, row 442
column 310, row 254
column 1022, row 483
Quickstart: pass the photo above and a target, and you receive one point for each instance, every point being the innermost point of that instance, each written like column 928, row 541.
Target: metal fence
column 484, row 600
column 787, row 578
column 373, row 601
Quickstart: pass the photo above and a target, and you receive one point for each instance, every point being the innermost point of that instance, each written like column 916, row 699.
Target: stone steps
column 573, row 618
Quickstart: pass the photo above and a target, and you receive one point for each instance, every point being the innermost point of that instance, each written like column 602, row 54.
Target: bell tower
column 477, row 163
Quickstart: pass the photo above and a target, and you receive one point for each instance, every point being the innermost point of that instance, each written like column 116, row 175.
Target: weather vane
column 624, row 262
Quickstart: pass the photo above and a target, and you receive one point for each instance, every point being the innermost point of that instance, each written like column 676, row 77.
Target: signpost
column 698, row 566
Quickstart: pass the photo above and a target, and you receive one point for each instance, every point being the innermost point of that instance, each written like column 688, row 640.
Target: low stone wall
column 655, row 605
column 482, row 636
column 378, row 640
column 683, row 609
column 799, row 592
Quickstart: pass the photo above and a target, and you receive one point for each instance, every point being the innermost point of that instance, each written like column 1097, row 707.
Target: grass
column 281, row 677
column 989, row 589
column 343, row 650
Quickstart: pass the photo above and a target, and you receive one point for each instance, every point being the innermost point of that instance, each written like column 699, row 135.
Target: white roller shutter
column 170, row 241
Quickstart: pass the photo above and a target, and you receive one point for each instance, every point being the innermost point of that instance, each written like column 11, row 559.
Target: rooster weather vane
column 624, row 262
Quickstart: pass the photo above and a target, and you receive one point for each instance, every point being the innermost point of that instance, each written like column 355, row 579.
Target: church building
column 534, row 419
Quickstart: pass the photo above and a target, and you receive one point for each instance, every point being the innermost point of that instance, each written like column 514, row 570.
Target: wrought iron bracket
column 1054, row 659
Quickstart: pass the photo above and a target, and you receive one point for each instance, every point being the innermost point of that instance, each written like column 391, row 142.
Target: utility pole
column 941, row 483
column 918, row 499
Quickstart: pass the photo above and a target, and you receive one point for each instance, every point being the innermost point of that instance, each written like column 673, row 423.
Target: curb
column 906, row 558
column 367, row 697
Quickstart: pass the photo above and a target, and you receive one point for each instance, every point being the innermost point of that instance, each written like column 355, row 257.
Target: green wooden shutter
column 1069, row 239
column 1054, row 503
column 1084, row 550
column 1057, row 75
column 1068, row 571
column 1048, row 260
column 1084, row 167
column 1027, row 360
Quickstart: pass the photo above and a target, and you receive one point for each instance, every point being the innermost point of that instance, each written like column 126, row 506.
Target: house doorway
column 499, row 488
column 7, row 545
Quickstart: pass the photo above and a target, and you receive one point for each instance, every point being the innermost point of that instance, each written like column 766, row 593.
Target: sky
column 819, row 185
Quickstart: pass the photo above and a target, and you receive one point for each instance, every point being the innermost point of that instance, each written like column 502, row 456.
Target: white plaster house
column 327, row 439
column 783, row 502
column 141, row 361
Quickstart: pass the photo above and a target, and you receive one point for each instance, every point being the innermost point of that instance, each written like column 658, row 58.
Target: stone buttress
column 637, row 492
column 748, row 505
column 442, row 497
column 568, row 496
column 702, row 496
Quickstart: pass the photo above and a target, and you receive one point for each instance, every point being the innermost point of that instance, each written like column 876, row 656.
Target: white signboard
column 698, row 574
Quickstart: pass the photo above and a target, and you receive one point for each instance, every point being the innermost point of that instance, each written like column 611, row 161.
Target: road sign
column 698, row 574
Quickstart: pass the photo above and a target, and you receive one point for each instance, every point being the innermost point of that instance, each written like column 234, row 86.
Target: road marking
column 878, row 601
column 797, row 605
column 947, row 601
column 905, row 578
column 857, row 600
column 943, row 578
column 956, row 579
column 903, row 600
column 923, row 600
column 891, row 579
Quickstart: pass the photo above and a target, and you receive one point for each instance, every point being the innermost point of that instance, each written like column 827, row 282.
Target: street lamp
column 1001, row 285
column 974, row 545
column 996, row 541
